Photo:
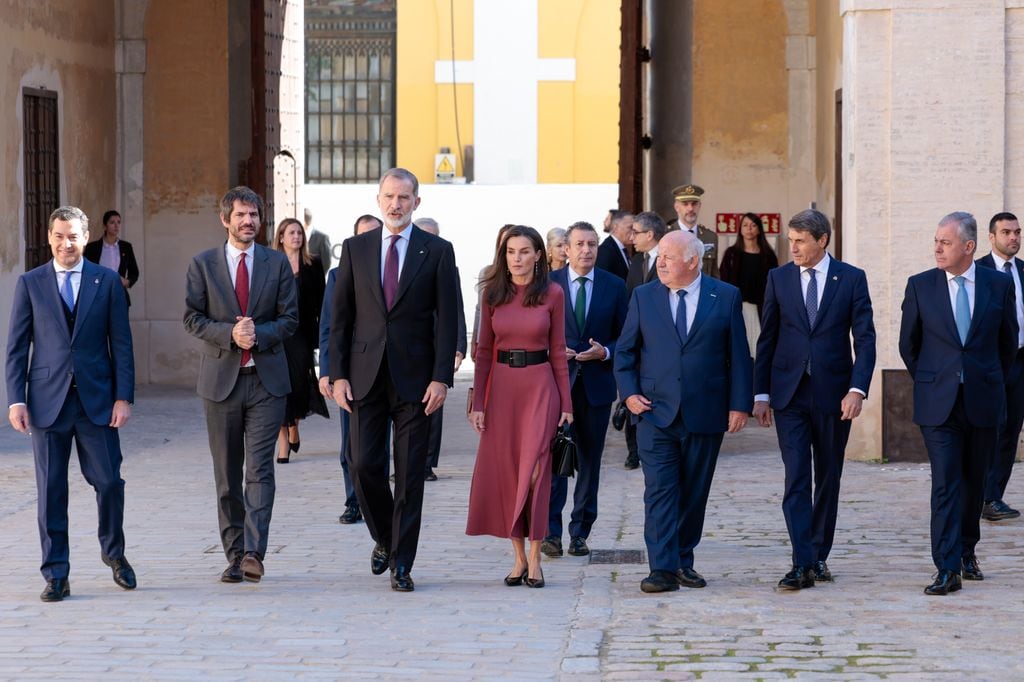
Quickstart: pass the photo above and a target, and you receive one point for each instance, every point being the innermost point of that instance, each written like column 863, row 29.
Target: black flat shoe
column 659, row 581
column 124, row 574
column 515, row 580
column 56, row 590
column 578, row 547
column 971, row 569
column 800, row 578
column 945, row 582
column 351, row 515
column 380, row 559
column 688, row 577
column 401, row 581
column 530, row 582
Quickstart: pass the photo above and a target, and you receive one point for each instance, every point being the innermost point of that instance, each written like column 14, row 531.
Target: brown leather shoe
column 252, row 567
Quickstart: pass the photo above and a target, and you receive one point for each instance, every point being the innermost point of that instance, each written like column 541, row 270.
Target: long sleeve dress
column 305, row 397
column 521, row 407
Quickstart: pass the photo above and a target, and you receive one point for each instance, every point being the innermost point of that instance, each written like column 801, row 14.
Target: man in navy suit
column 683, row 363
column 806, row 373
column 1004, row 235
column 71, row 375
column 958, row 338
column 614, row 253
column 595, row 308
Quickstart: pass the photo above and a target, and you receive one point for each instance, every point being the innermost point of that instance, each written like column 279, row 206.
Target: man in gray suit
column 319, row 243
column 241, row 303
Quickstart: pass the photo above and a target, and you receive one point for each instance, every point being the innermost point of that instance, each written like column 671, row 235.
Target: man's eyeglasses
column 636, row 231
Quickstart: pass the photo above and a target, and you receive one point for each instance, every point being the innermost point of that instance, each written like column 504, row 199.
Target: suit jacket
column 610, row 259
column 129, row 267
column 931, row 349
column 320, row 246
column 603, row 324
column 97, row 354
column 987, row 261
column 701, row 379
column 210, row 311
column 787, row 343
column 363, row 329
column 635, row 277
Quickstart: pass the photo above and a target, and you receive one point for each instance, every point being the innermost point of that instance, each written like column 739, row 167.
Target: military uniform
column 708, row 237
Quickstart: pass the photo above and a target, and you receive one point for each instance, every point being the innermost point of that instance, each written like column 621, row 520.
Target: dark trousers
column 393, row 519
column 351, row 499
column 243, row 430
column 629, row 429
column 434, row 439
column 1005, row 451
column 99, row 455
column 959, row 455
column 590, row 424
column 678, row 468
column 813, row 445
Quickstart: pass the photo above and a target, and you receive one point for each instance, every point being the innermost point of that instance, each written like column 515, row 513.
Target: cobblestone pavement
column 319, row 613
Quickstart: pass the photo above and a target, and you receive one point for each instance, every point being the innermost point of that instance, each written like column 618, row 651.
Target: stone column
column 130, row 66
column 925, row 88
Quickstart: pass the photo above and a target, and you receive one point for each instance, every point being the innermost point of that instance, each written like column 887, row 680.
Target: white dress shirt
column 402, row 246
column 969, row 282
column 692, row 296
column 1000, row 261
column 234, row 256
column 110, row 254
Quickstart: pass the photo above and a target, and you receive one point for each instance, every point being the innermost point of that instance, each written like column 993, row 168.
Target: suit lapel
column 373, row 244
column 47, row 281
column 982, row 296
column 796, row 297
column 832, row 281
column 259, row 277
column 661, row 302
column 86, row 294
column 942, row 290
column 706, row 301
column 561, row 278
column 221, row 273
column 596, row 295
column 415, row 255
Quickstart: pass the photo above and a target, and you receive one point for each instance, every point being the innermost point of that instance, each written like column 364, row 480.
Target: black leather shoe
column 351, row 515
column 252, row 567
column 56, row 590
column 431, row 476
column 516, row 580
column 551, row 546
column 997, row 510
column 659, row 581
column 578, row 546
column 401, row 581
column 632, row 462
column 124, row 575
column 945, row 582
column 799, row 578
column 821, row 572
column 971, row 568
column 233, row 573
column 380, row 559
column 688, row 577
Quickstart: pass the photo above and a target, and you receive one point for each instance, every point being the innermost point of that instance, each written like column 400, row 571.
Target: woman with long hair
column 745, row 265
column 520, row 397
column 305, row 398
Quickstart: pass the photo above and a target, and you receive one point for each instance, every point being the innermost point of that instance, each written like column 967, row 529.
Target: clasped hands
column 244, row 332
column 595, row 352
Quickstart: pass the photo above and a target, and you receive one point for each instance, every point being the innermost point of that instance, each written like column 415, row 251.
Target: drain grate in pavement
column 617, row 556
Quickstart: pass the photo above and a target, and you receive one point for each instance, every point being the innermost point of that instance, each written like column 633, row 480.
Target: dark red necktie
column 391, row 272
column 242, row 294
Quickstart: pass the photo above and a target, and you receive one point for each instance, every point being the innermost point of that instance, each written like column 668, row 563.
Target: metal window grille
column 350, row 90
column 42, row 178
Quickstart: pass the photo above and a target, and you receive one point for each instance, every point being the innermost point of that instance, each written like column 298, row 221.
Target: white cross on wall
column 505, row 72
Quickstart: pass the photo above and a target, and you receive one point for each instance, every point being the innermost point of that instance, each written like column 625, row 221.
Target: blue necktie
column 811, row 302
column 963, row 308
column 66, row 292
column 681, row 315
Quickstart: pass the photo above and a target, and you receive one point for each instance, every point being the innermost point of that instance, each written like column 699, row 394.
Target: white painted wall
column 469, row 215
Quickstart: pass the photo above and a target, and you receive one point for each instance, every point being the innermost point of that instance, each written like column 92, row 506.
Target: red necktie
column 242, row 294
column 391, row 272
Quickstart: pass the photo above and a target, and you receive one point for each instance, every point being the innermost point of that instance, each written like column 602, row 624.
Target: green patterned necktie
column 581, row 303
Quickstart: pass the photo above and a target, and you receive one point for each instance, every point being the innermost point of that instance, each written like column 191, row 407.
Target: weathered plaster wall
column 68, row 48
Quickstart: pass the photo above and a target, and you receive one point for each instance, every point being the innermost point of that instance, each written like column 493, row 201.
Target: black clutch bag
column 563, row 453
column 619, row 416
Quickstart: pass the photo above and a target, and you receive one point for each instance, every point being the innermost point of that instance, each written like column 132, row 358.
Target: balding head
column 679, row 259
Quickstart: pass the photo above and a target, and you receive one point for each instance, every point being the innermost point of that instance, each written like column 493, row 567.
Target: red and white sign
column 729, row 223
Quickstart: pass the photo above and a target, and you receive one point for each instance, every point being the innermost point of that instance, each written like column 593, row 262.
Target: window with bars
column 350, row 90
column 42, row 178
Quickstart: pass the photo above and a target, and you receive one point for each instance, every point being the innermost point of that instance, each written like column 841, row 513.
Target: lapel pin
column 422, row 252
column 835, row 278
column 714, row 295
column 96, row 281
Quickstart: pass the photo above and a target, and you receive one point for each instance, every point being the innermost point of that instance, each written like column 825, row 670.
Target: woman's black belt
column 522, row 358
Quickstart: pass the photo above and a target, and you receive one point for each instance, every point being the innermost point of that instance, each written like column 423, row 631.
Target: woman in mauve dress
column 520, row 397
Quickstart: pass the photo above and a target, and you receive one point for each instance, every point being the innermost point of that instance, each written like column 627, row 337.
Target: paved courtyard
column 319, row 613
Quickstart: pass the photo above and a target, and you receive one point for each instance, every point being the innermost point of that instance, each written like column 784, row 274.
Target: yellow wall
column 426, row 110
column 577, row 127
